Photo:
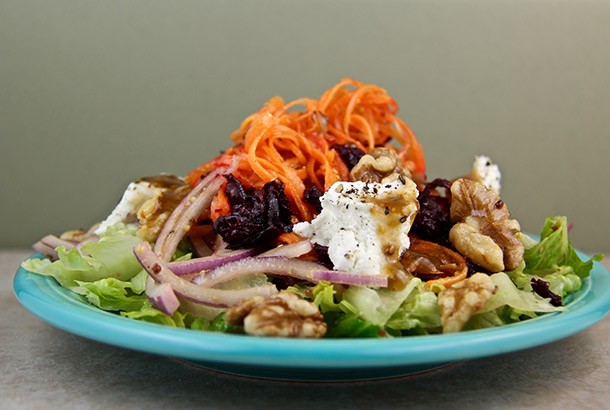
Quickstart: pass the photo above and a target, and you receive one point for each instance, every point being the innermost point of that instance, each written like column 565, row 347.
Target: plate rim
column 60, row 307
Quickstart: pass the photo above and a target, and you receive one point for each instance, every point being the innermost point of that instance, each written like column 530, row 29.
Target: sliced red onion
column 49, row 243
column 197, row 265
column 183, row 216
column 187, row 211
column 346, row 278
column 277, row 265
column 87, row 240
column 159, row 271
column 292, row 250
column 162, row 297
column 45, row 249
column 54, row 241
column 220, row 246
column 199, row 246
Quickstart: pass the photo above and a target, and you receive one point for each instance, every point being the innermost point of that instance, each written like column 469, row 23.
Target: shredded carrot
column 445, row 282
column 220, row 204
column 200, row 230
column 279, row 142
column 288, row 238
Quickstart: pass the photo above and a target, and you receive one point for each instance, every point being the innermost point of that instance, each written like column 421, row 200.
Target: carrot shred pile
column 282, row 143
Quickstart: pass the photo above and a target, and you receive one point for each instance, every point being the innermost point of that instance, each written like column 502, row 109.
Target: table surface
column 44, row 367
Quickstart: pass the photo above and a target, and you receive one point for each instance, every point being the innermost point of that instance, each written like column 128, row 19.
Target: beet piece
column 257, row 216
column 350, row 154
column 541, row 287
column 312, row 197
column 322, row 253
column 433, row 221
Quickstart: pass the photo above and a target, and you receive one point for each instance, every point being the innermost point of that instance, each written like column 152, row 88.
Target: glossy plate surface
column 326, row 359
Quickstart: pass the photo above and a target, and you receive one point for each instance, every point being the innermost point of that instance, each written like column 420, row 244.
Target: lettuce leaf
column 554, row 253
column 507, row 294
column 341, row 317
column 412, row 310
column 114, row 294
column 109, row 257
column 378, row 305
column 563, row 282
column 418, row 314
column 108, row 275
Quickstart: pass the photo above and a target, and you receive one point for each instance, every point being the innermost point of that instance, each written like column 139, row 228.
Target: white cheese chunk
column 364, row 225
column 136, row 194
column 486, row 172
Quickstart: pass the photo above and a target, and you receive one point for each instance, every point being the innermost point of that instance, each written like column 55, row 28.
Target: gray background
column 94, row 94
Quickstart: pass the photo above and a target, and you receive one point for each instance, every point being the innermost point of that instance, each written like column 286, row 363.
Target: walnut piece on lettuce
column 458, row 303
column 486, row 214
column 284, row 315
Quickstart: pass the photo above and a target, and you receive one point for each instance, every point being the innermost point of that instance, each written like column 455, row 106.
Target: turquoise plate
column 313, row 360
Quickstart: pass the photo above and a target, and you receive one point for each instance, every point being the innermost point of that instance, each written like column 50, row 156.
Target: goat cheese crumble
column 364, row 225
column 136, row 194
column 487, row 173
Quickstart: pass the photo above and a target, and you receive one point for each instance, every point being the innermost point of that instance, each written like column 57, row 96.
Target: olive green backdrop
column 94, row 94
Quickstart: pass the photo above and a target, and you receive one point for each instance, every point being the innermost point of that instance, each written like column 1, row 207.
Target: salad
column 319, row 221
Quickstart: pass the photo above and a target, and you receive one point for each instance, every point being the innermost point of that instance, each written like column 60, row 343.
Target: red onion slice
column 187, row 211
column 163, row 298
column 199, row 246
column 197, row 265
column 45, row 249
column 159, row 271
column 182, row 217
column 49, row 243
column 346, row 278
column 292, row 250
column 296, row 268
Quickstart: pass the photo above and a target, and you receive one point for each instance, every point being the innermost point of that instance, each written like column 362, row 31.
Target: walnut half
column 377, row 165
column 284, row 315
column 484, row 231
column 462, row 300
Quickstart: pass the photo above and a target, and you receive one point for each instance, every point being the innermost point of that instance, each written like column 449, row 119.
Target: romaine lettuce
column 109, row 257
column 554, row 253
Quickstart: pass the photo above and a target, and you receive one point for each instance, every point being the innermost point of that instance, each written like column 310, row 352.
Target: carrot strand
column 279, row 142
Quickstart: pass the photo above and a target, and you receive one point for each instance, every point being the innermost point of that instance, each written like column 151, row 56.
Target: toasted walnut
column 236, row 314
column 284, row 315
column 479, row 248
column 79, row 235
column 377, row 165
column 483, row 211
column 462, row 300
column 153, row 213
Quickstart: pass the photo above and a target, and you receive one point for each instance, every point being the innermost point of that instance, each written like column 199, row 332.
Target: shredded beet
column 433, row 221
column 541, row 287
column 349, row 153
column 312, row 197
column 257, row 215
column 322, row 253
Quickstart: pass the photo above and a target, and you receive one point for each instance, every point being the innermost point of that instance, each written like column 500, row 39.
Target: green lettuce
column 341, row 317
column 555, row 254
column 114, row 294
column 419, row 313
column 507, row 294
column 554, row 260
column 109, row 257
column 412, row 310
column 108, row 275
column 377, row 305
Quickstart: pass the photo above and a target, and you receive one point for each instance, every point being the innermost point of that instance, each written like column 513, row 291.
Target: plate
column 311, row 360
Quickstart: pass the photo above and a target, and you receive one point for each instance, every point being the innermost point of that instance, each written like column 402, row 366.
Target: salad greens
column 107, row 275
column 111, row 256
